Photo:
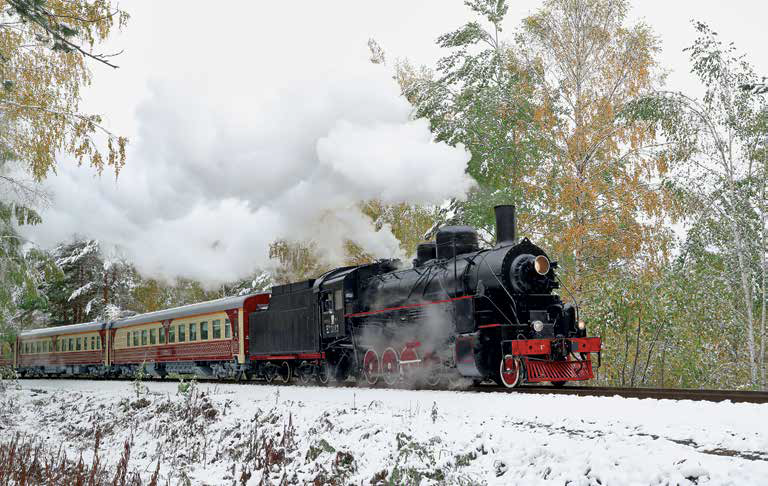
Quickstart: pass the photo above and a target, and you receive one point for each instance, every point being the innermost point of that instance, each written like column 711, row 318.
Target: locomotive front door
column 332, row 312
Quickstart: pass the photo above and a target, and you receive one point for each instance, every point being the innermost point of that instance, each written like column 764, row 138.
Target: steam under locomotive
column 479, row 313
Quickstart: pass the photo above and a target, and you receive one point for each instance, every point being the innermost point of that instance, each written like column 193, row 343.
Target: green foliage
column 717, row 151
column 482, row 96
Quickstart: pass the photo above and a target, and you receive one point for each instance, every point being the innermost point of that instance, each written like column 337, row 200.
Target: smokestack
column 505, row 223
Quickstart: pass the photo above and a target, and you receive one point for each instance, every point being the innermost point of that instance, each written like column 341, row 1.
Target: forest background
column 653, row 202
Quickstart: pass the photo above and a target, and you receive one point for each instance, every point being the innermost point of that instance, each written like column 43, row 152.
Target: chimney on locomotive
column 505, row 224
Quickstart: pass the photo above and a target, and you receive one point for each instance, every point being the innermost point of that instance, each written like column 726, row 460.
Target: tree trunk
column 637, row 350
column 663, row 355
column 105, row 290
column 626, row 358
column 764, row 269
column 746, row 289
column 650, row 352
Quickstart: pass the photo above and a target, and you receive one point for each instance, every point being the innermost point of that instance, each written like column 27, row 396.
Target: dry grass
column 24, row 461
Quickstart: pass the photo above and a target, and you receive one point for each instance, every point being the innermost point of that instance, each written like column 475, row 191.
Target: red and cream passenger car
column 207, row 339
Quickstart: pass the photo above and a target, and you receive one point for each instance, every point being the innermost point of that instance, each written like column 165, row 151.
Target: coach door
column 332, row 311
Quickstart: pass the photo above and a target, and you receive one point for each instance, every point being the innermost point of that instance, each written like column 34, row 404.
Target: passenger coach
column 207, row 339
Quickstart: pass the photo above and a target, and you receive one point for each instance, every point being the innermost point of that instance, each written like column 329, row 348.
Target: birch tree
column 605, row 208
column 716, row 149
column 45, row 46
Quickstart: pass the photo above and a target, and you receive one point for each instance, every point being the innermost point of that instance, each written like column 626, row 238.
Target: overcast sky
column 245, row 115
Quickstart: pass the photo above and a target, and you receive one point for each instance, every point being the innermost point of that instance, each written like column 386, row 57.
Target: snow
column 81, row 291
column 91, row 247
column 405, row 436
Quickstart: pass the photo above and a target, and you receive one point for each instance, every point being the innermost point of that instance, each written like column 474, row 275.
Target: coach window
column 128, row 339
column 98, row 342
column 38, row 347
column 78, row 344
column 182, row 328
column 144, row 337
column 171, row 335
column 58, row 346
column 193, row 331
column 71, row 346
column 227, row 329
column 153, row 336
column 85, row 344
column 216, row 325
column 161, row 335
column 135, row 338
column 203, row 330
column 93, row 342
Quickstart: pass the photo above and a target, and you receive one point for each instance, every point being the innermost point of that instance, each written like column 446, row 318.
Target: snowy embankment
column 221, row 434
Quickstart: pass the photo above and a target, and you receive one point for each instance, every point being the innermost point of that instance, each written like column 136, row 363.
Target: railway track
column 655, row 393
column 735, row 396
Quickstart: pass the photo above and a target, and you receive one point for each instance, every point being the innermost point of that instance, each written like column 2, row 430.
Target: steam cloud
column 208, row 185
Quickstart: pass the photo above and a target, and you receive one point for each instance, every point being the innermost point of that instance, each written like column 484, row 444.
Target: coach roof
column 217, row 305
column 58, row 330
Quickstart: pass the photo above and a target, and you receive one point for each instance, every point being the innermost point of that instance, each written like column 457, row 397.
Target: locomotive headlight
column 538, row 326
column 582, row 325
column 541, row 265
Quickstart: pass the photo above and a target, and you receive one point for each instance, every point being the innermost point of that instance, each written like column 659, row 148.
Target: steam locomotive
column 484, row 314
column 458, row 311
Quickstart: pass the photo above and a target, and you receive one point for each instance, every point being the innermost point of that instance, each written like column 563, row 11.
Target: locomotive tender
column 459, row 310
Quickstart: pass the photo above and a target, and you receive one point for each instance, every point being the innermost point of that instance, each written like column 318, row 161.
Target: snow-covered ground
column 342, row 436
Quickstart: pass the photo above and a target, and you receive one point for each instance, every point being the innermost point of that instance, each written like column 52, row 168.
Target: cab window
column 338, row 300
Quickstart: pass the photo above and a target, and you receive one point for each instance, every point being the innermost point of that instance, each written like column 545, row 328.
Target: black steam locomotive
column 484, row 314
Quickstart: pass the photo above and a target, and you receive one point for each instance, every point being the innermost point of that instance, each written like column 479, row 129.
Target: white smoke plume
column 208, row 185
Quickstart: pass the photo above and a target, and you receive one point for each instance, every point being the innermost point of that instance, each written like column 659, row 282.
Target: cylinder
column 505, row 223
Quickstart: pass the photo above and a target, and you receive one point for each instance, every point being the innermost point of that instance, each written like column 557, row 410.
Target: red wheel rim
column 371, row 366
column 509, row 370
column 409, row 362
column 390, row 366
